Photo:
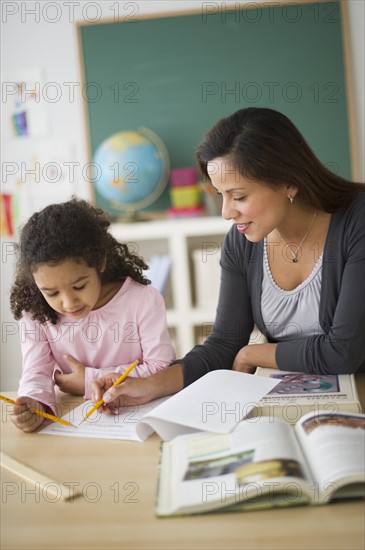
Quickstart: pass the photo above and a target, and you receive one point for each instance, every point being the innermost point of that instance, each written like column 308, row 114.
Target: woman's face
column 255, row 208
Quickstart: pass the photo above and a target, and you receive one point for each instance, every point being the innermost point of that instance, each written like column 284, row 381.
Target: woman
column 293, row 264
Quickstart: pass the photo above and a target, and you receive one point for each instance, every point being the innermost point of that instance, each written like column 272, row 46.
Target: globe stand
column 135, row 216
column 132, row 216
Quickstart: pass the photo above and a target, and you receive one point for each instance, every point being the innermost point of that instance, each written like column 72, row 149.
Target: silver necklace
column 294, row 254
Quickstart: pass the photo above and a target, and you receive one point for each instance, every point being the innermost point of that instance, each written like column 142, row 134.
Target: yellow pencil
column 116, row 383
column 40, row 413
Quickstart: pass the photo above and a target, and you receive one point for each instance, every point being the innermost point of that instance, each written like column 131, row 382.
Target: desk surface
column 116, row 509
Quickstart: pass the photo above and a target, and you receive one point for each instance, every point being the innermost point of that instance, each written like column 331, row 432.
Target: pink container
column 183, row 176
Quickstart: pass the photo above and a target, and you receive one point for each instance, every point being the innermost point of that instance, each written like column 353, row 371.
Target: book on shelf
column 264, row 464
column 207, row 274
column 299, row 393
column 159, row 271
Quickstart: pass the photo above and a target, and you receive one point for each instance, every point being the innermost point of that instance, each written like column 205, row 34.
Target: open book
column 216, row 402
column 299, row 393
column 264, row 464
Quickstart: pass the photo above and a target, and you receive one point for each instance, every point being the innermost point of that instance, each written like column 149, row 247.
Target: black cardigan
column 341, row 349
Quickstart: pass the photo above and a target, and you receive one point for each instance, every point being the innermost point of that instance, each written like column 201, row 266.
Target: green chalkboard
column 179, row 74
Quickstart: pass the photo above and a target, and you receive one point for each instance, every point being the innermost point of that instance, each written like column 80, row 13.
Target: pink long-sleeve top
column 132, row 325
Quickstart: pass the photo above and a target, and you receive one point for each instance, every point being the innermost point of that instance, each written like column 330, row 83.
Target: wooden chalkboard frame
column 351, row 141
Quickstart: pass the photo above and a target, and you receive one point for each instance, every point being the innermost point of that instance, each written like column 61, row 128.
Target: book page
column 216, row 402
column 299, row 393
column 102, row 426
column 335, row 449
column 204, row 472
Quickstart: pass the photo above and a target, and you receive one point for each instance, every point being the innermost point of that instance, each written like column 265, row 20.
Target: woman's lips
column 243, row 227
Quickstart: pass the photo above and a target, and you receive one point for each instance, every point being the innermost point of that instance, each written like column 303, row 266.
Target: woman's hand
column 133, row 391
column 255, row 355
column 241, row 363
column 73, row 383
column 136, row 391
column 23, row 417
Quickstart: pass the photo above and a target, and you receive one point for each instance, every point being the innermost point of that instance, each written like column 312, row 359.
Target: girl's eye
column 52, row 295
column 79, row 287
column 239, row 199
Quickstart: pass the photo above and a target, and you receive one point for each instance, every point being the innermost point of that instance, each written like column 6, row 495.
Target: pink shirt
column 132, row 325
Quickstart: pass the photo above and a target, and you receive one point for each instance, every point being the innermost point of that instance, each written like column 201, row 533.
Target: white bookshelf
column 178, row 238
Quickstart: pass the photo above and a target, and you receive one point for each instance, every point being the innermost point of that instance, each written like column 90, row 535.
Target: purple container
column 183, row 176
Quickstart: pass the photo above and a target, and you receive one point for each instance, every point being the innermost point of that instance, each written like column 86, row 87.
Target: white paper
column 216, row 403
column 103, row 426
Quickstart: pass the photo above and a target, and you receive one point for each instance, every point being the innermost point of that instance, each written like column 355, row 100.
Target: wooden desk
column 116, row 509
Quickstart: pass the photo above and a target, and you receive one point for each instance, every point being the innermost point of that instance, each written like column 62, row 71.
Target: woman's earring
column 291, row 199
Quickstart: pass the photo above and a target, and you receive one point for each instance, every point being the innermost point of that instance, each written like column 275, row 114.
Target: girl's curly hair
column 71, row 230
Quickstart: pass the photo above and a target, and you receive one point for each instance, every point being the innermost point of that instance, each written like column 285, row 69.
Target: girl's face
column 255, row 208
column 71, row 287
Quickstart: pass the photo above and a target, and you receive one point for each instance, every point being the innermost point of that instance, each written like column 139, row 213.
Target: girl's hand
column 73, row 383
column 132, row 391
column 23, row 417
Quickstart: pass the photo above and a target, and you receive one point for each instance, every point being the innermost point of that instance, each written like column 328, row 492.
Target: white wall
column 42, row 35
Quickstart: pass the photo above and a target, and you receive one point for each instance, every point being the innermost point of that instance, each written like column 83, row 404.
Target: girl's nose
column 69, row 301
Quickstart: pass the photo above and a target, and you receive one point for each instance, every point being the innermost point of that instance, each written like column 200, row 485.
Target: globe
column 131, row 170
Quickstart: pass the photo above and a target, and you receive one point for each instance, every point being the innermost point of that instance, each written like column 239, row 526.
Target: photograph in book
column 264, row 464
column 299, row 393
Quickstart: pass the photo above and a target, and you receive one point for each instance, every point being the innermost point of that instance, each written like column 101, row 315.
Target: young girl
column 85, row 308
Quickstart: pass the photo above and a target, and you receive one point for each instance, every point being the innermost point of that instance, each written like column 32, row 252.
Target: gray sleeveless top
column 291, row 314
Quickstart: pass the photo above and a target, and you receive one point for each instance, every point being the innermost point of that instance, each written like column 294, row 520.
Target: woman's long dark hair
column 72, row 230
column 264, row 145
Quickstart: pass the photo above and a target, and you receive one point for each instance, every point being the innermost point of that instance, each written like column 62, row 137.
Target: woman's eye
column 79, row 287
column 52, row 295
column 239, row 198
